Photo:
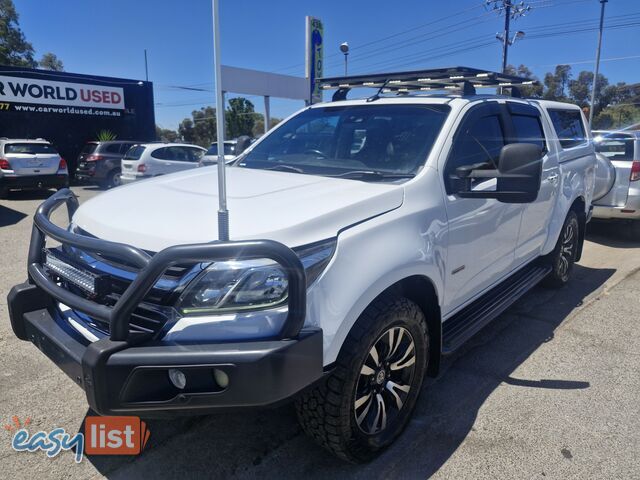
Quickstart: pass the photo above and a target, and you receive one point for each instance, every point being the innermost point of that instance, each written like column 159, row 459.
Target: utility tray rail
column 151, row 268
column 465, row 79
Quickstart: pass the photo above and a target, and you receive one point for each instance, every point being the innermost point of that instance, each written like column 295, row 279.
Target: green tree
column 200, row 128
column 166, row 134
column 528, row 91
column 186, row 130
column 556, row 83
column 580, row 88
column 50, row 61
column 240, row 118
column 14, row 49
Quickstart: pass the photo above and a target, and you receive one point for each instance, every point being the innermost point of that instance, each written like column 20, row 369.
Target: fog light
column 178, row 378
column 222, row 379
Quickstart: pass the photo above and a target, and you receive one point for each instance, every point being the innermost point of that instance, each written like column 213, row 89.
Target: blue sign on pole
column 315, row 50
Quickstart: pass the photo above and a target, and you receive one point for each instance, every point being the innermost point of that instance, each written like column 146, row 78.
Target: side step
column 468, row 321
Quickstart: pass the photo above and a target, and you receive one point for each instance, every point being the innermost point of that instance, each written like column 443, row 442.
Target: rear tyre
column 367, row 400
column 113, row 179
column 564, row 255
column 4, row 192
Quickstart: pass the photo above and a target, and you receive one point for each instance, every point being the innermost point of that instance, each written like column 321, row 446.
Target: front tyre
column 367, row 400
column 563, row 257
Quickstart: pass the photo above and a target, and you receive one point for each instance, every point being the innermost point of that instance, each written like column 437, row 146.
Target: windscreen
column 339, row 140
column 29, row 148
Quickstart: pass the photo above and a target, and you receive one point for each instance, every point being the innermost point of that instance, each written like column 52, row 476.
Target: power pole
column 597, row 68
column 511, row 11
column 505, row 39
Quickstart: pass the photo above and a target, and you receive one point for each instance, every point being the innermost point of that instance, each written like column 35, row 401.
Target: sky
column 109, row 38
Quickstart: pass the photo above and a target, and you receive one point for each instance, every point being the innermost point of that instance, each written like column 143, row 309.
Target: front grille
column 153, row 312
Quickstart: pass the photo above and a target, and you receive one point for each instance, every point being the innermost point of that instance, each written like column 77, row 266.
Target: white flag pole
column 223, row 213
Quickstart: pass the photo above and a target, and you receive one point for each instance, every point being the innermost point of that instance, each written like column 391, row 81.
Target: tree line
column 240, row 118
column 616, row 105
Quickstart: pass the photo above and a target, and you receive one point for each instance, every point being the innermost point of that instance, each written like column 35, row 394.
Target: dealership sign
column 47, row 92
column 314, row 57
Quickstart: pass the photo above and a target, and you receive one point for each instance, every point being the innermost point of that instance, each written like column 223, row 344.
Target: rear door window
column 569, row 127
column 134, row 153
column 29, row 148
column 179, row 154
column 161, row 153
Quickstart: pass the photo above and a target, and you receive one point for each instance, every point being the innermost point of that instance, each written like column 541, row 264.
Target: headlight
column 249, row 284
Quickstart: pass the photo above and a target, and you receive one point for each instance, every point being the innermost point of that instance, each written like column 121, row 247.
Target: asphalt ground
column 551, row 389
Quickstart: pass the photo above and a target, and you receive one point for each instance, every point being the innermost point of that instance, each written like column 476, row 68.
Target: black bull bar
column 152, row 267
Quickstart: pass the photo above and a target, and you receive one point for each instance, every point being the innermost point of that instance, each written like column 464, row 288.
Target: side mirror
column 518, row 175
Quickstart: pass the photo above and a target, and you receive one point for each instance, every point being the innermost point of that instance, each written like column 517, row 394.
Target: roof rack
column 458, row 80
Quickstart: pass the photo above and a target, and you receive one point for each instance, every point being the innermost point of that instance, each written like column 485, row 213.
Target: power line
column 481, row 45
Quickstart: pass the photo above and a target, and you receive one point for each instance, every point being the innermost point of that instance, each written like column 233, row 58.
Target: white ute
column 368, row 238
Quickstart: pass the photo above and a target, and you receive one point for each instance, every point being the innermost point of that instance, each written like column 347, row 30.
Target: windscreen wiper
column 286, row 168
column 372, row 175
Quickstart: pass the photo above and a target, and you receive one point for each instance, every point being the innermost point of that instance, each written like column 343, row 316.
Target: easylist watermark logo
column 101, row 436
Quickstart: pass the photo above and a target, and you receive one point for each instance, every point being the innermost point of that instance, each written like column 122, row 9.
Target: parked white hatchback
column 153, row 159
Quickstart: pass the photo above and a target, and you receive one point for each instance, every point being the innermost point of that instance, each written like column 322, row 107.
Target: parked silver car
column 30, row 164
column 232, row 148
column 621, row 201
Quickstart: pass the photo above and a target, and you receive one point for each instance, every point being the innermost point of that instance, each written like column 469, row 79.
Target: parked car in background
column 30, row 164
column 148, row 160
column 211, row 157
column 622, row 200
column 99, row 162
column 232, row 148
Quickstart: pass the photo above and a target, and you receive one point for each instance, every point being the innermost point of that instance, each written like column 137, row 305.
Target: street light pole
column 597, row 67
column 223, row 213
column 344, row 48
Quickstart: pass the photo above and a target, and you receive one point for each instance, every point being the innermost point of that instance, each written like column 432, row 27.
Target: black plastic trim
column 260, row 373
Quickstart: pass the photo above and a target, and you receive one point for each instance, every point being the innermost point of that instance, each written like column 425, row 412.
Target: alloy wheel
column 567, row 250
column 385, row 380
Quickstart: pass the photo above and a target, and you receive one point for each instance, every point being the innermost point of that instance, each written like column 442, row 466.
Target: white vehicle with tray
column 368, row 239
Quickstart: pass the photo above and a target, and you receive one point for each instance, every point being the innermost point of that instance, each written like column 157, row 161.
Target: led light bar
column 85, row 280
